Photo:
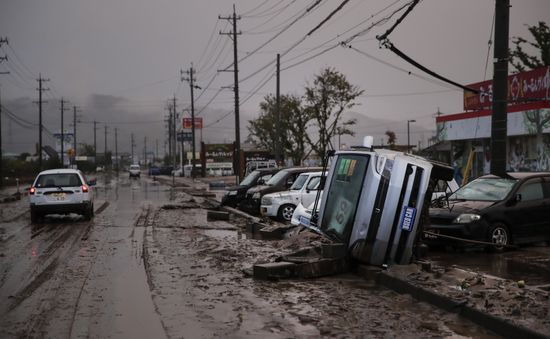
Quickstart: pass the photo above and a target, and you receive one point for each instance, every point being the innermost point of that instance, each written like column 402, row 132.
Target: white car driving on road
column 61, row 191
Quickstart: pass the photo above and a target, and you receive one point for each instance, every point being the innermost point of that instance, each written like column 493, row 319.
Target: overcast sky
column 120, row 60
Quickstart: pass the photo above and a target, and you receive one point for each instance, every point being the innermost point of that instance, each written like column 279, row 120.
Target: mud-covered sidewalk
column 195, row 272
column 509, row 308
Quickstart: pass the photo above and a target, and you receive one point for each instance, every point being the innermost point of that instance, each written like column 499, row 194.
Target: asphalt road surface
column 149, row 265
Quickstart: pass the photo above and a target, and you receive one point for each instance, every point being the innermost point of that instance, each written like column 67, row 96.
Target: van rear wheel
column 285, row 212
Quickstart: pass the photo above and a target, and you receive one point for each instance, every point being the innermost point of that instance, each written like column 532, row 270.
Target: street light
column 409, row 135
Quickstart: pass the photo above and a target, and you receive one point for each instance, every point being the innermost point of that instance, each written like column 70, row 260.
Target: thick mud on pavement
column 69, row 278
column 195, row 271
column 149, row 265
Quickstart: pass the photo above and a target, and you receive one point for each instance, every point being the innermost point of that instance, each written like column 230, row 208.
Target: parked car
column 61, row 191
column 235, row 194
column 302, row 213
column 444, row 188
column 135, row 171
column 166, row 170
column 502, row 211
column 281, row 181
column 281, row 205
column 154, row 170
column 177, row 172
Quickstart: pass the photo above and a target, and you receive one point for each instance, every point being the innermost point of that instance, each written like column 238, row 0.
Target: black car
column 279, row 182
column 510, row 210
column 235, row 194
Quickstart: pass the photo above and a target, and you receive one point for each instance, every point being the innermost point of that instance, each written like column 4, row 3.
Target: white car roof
column 60, row 171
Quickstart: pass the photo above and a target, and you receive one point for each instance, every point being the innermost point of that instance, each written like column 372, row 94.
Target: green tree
column 391, row 138
column 87, row 150
column 263, row 131
column 325, row 102
column 523, row 61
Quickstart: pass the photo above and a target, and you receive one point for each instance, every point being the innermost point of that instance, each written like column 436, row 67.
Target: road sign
column 187, row 136
column 188, row 125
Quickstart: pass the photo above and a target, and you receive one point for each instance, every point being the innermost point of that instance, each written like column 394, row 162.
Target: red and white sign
column 187, row 124
column 522, row 87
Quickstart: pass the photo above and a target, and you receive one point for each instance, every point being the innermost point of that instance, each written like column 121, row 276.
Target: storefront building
column 528, row 125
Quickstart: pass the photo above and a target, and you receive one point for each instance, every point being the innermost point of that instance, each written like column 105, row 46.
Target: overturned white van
column 374, row 202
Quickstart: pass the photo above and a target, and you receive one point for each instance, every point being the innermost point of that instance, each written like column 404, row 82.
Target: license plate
column 58, row 196
column 304, row 220
column 407, row 218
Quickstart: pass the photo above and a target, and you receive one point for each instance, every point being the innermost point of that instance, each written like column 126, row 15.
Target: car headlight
column 231, row 193
column 466, row 218
column 256, row 195
column 266, row 201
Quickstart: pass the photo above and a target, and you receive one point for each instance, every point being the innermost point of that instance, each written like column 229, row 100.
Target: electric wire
column 208, row 43
column 264, row 13
column 255, row 8
column 252, row 30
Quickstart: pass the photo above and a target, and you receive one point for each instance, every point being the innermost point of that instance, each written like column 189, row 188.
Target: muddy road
column 149, row 265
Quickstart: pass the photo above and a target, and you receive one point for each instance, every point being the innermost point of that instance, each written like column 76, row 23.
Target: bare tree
column 326, row 100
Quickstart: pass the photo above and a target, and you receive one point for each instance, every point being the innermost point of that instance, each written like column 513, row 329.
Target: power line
column 263, row 13
column 251, row 31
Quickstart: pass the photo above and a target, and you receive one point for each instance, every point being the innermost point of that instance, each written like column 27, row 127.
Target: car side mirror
column 261, row 181
column 92, row 182
column 518, row 197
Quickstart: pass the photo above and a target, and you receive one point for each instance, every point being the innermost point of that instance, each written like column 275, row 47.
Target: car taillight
column 32, row 190
column 84, row 189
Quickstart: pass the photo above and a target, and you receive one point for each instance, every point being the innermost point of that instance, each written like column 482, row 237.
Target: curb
column 498, row 325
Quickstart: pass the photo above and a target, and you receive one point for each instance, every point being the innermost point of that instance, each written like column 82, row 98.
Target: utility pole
column 174, row 142
column 105, row 150
column 191, row 79
column 234, row 33
column 279, row 145
column 75, row 109
column 132, row 146
column 169, row 126
column 95, row 144
column 40, row 101
column 116, row 149
column 157, row 148
column 145, row 149
column 500, row 89
column 63, row 109
column 1, row 172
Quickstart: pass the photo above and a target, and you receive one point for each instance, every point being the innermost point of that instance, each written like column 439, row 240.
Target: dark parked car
column 166, row 170
column 509, row 210
column 235, row 194
column 154, row 170
column 279, row 182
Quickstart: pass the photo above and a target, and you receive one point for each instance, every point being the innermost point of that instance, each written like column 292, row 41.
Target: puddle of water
column 528, row 265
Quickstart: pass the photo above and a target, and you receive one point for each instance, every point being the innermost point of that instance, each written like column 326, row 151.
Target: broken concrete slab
column 275, row 232
column 274, row 270
column 323, row 267
column 254, row 227
column 212, row 215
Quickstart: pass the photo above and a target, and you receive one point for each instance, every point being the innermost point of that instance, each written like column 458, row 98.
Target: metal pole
column 116, row 149
column 500, row 89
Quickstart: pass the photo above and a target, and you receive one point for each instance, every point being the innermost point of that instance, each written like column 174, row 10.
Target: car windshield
column 486, row 189
column 277, row 178
column 250, row 178
column 134, row 167
column 300, row 181
column 58, row 180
